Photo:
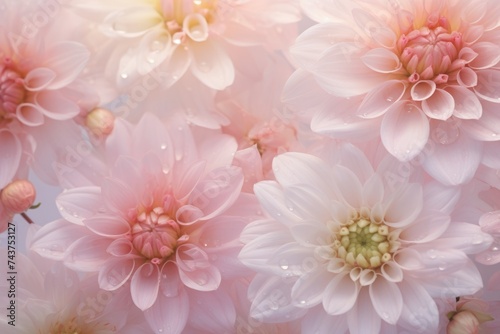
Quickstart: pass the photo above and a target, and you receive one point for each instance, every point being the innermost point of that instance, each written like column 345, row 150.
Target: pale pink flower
column 413, row 71
column 54, row 299
column 263, row 127
column 17, row 197
column 39, row 84
column 345, row 243
column 180, row 36
column 166, row 219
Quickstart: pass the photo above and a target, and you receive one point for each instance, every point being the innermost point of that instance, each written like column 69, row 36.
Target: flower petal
column 56, row 106
column 39, row 78
column 211, row 65
column 107, row 225
column 215, row 312
column 404, row 206
column 488, row 55
column 419, row 309
column 440, row 105
column 381, row 98
column 30, row 114
column 115, row 273
column 145, row 285
column 387, row 300
column 425, row 228
column 340, row 295
column 169, row 314
column 404, row 130
column 309, row 288
column 195, row 271
column 422, row 90
column 77, row 204
column 133, row 21
column 467, row 105
column 67, row 60
column 381, row 60
column 363, row 309
column 488, row 85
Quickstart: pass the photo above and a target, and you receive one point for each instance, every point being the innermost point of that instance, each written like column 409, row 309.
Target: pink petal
column 488, row 55
column 211, row 65
column 150, row 135
column 309, row 288
column 170, row 284
column 321, row 322
column 178, row 63
column 419, row 309
column 441, row 198
column 363, row 309
column 56, row 106
column 490, row 223
column 77, row 204
column 422, row 90
column 269, row 305
column 404, row 130
column 381, row 98
column 121, row 247
column 467, row 105
column 404, row 206
column 373, row 191
column 188, row 215
column 218, row 151
column 466, row 237
column 392, row 272
column 39, row 78
column 115, row 273
column 340, row 295
column 118, row 196
column 30, row 114
column 381, row 60
column 409, row 259
column 387, row 300
column 87, row 253
column 107, row 225
column 154, row 48
column 306, row 203
column 169, row 314
column 467, row 77
column 488, row 85
column 486, row 128
column 454, row 163
column 11, row 150
column 215, row 312
column 194, row 269
column 67, row 60
column 341, row 72
column 429, row 226
column 440, row 105
column 145, row 285
column 217, row 192
column 290, row 259
column 53, row 239
column 312, row 42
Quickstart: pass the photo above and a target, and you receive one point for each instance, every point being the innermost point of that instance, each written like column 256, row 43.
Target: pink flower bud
column 464, row 322
column 100, row 122
column 18, row 196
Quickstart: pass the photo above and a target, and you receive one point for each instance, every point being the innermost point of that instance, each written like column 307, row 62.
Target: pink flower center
column 12, row 90
column 155, row 234
column 432, row 51
column 188, row 18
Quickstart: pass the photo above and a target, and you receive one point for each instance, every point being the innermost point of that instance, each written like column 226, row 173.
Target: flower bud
column 463, row 322
column 100, row 122
column 18, row 196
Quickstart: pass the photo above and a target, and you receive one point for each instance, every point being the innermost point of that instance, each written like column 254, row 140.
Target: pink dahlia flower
column 40, row 89
column 166, row 220
column 413, row 71
column 173, row 37
column 345, row 243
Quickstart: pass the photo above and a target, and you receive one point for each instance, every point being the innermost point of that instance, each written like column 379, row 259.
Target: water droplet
column 274, row 306
column 278, row 214
column 177, row 38
column 493, row 134
column 202, row 279
column 432, row 253
column 204, row 67
column 302, row 302
column 495, row 248
column 477, row 240
column 163, row 146
column 488, row 258
column 160, row 330
column 284, row 266
column 124, row 75
column 197, row 2
column 442, row 267
column 385, row 315
column 389, row 99
column 290, row 208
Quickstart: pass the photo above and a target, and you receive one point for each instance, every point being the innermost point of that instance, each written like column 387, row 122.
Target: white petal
column 420, row 312
column 363, row 309
column 427, row 227
column 440, row 105
column 381, row 60
column 422, row 90
column 467, row 105
column 169, row 313
column 309, row 288
column 466, row 237
column 39, row 78
column 67, row 60
column 404, row 205
column 404, row 130
column 211, row 65
column 381, row 98
column 77, row 204
column 87, row 253
column 115, row 273
column 340, row 295
column 387, row 300
column 488, row 85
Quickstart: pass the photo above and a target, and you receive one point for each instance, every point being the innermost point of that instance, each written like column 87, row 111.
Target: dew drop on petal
column 432, row 253
column 124, row 75
column 495, row 248
column 204, row 67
